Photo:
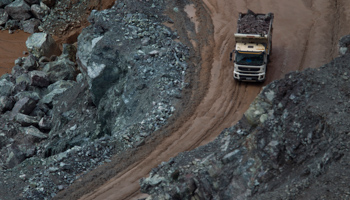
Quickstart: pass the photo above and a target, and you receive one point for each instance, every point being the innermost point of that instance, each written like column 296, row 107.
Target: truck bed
column 251, row 23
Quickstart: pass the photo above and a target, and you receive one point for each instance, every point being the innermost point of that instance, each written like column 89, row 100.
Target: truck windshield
column 249, row 59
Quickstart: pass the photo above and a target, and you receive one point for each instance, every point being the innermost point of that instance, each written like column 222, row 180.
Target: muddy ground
column 306, row 34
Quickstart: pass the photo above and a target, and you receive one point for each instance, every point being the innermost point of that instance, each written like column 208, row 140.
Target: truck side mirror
column 231, row 56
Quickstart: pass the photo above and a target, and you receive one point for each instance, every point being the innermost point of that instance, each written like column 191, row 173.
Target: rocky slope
column 292, row 143
column 63, row 115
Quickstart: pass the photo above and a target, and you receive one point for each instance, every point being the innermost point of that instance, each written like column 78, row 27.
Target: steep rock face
column 292, row 140
column 132, row 74
column 63, row 115
column 100, row 58
column 134, row 70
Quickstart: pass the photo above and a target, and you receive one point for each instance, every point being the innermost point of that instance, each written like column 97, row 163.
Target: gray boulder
column 34, row 132
column 42, row 44
column 6, row 103
column 15, row 157
column 39, row 78
column 22, row 80
column 6, row 87
column 49, row 98
column 29, row 94
column 3, row 3
column 30, row 63
column 61, row 69
column 18, row 10
column 31, row 25
column 100, row 62
column 49, row 3
column 12, row 24
column 61, row 84
column 41, row 110
column 26, row 120
column 39, row 11
column 25, row 105
column 17, row 70
column 3, row 17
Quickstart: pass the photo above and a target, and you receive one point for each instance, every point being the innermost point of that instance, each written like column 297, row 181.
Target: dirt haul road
column 12, row 46
column 305, row 35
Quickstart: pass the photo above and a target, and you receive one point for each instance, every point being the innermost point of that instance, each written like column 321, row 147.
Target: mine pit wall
column 296, row 128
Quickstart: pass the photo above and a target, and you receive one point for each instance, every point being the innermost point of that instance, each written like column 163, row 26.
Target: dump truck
column 253, row 46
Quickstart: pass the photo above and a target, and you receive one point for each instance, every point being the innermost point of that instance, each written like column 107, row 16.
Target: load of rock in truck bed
column 251, row 23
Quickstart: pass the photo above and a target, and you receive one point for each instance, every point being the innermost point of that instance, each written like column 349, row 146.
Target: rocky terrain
column 111, row 87
column 64, row 114
column 292, row 143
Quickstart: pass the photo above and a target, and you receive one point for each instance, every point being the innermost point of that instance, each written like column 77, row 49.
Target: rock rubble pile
column 64, row 114
column 252, row 23
column 26, row 15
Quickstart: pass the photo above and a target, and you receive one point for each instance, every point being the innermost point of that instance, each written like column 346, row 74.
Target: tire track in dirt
column 226, row 100
column 335, row 28
column 305, row 48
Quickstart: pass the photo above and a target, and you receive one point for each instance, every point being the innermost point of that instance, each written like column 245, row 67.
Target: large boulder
column 6, row 103
column 39, row 11
column 31, row 25
column 18, row 10
column 42, row 44
column 39, row 78
column 6, row 87
column 25, row 106
column 61, row 69
column 101, row 62
column 3, row 3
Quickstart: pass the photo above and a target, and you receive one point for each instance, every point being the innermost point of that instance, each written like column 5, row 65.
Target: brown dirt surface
column 306, row 33
column 12, row 46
